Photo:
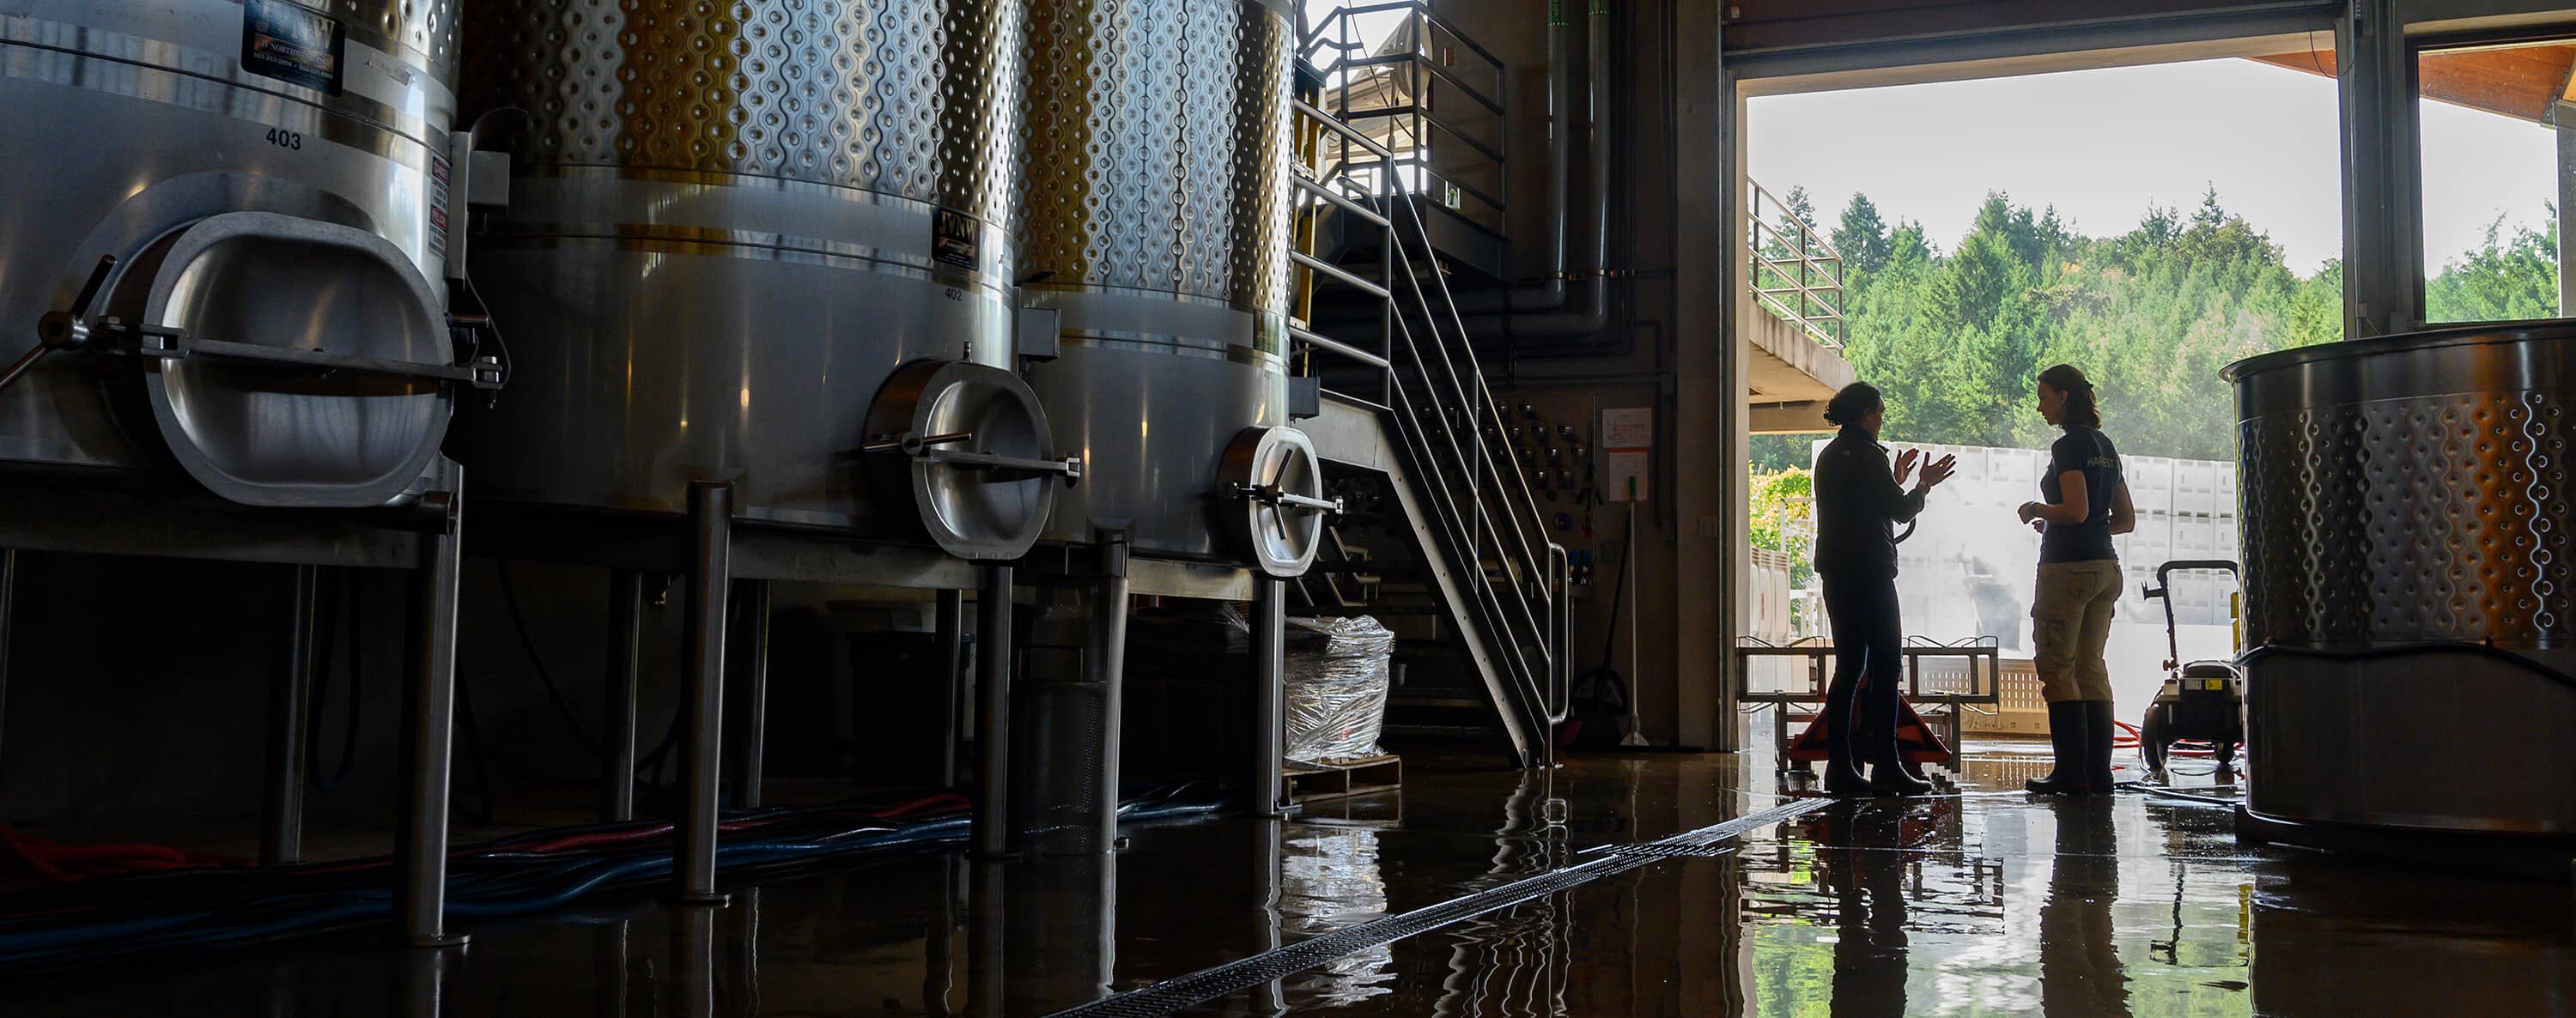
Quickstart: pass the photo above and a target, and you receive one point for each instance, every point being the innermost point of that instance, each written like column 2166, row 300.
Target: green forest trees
column 1955, row 337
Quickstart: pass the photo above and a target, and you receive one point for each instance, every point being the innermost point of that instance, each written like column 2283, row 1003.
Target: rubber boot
column 1887, row 774
column 1842, row 776
column 2069, row 742
column 2097, row 746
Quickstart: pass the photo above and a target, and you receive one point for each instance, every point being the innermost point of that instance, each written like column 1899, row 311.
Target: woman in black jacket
column 1859, row 502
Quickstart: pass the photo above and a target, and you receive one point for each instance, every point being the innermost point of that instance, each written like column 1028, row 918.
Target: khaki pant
column 2070, row 623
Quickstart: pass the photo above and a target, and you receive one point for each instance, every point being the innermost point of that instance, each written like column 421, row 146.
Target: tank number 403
column 285, row 139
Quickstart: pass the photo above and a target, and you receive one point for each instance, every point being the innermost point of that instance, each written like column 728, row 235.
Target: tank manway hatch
column 966, row 445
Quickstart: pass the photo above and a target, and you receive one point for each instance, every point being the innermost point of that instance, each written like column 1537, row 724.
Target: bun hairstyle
column 2081, row 410
column 1854, row 402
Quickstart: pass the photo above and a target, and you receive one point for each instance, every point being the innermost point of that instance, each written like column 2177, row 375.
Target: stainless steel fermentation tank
column 269, row 181
column 731, row 224
column 2409, row 505
column 1154, row 223
column 225, row 230
column 756, row 267
column 1153, row 226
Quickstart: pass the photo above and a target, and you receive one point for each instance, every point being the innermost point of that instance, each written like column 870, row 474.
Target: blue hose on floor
column 258, row 907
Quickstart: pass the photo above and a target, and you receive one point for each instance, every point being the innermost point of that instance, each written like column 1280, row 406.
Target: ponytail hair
column 1854, row 402
column 2081, row 411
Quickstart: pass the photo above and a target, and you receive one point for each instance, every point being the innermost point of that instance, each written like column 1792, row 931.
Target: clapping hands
column 1934, row 472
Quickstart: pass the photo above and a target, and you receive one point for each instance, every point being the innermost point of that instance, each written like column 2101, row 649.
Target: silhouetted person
column 2085, row 503
column 1859, row 502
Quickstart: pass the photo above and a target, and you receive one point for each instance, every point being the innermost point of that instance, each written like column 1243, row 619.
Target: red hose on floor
column 28, row 856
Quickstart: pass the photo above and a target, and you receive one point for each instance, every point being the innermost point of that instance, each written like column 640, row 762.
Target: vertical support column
column 2563, row 115
column 2383, row 258
column 1269, row 694
column 1105, row 666
column 617, row 707
column 290, row 696
column 950, row 624
column 755, row 719
column 422, row 898
column 992, row 828
column 702, row 743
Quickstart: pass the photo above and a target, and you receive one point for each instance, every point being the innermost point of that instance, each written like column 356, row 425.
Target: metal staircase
column 1430, row 103
column 1408, row 409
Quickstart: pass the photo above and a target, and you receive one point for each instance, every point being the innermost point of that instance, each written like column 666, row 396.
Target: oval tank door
column 966, row 446
column 1278, row 506
column 294, row 362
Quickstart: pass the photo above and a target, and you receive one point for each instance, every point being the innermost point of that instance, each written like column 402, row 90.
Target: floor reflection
column 1989, row 902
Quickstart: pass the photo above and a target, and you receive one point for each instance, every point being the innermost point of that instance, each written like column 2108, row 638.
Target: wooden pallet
column 1309, row 782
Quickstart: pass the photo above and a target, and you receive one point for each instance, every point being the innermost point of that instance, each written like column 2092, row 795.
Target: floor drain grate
column 1180, row 993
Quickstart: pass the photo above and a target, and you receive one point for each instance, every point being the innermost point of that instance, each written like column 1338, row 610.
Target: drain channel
column 1182, row 992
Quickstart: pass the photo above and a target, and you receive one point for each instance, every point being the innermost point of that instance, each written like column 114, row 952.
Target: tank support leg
column 617, row 706
column 1269, row 694
column 702, row 742
column 1105, row 666
column 290, row 696
column 951, row 626
column 1064, row 799
column 430, row 734
column 992, row 828
column 755, row 694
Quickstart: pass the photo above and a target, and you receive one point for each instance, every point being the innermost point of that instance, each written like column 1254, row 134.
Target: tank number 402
column 285, row 139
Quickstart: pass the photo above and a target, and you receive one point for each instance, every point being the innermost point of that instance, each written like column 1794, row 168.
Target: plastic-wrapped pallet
column 1337, row 685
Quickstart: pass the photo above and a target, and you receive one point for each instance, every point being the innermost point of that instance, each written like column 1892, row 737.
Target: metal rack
column 1977, row 683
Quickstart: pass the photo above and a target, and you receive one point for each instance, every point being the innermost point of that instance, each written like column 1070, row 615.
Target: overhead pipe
column 1574, row 301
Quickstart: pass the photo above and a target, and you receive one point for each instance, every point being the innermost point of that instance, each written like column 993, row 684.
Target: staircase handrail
column 1498, row 511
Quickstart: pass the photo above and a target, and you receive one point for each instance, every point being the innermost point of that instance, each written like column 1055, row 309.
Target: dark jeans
column 1860, row 720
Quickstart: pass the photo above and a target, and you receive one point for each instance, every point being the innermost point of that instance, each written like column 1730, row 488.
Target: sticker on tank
column 953, row 239
column 291, row 42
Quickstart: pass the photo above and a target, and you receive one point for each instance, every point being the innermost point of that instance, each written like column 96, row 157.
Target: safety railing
column 1427, row 98
column 1431, row 388
column 1797, row 274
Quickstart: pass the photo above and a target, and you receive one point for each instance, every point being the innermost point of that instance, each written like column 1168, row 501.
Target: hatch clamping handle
column 1273, row 495
column 63, row 330
column 935, row 448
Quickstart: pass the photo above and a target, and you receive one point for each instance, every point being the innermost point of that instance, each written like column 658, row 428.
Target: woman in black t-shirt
column 2085, row 502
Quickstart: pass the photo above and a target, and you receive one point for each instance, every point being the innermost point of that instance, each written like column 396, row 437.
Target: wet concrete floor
column 1984, row 902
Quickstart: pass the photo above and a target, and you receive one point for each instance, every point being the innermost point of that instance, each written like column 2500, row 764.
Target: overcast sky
column 2103, row 145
